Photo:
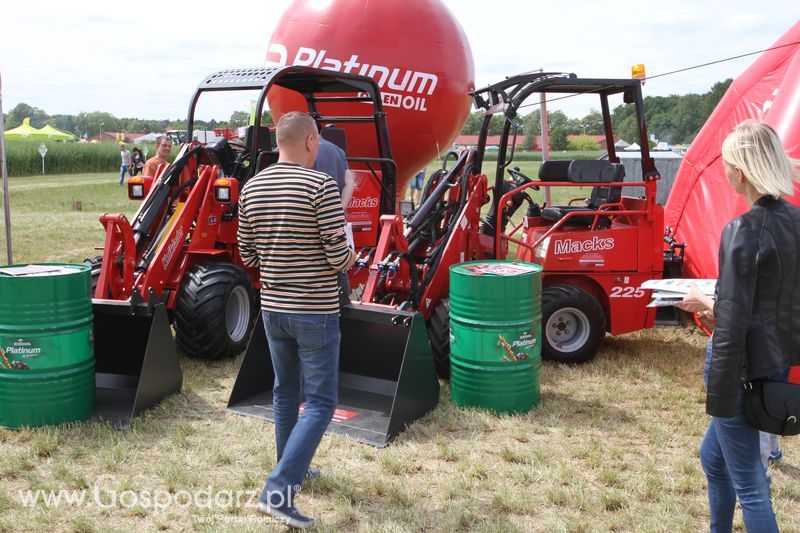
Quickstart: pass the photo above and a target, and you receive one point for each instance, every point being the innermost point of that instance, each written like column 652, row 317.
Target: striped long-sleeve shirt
column 291, row 224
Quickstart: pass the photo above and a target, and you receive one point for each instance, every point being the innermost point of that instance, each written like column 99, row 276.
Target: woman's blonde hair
column 756, row 150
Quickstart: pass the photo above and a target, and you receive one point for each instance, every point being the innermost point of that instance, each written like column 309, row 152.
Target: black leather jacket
column 757, row 307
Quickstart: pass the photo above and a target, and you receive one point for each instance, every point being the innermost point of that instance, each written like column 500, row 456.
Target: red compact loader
column 596, row 251
column 177, row 262
column 595, row 255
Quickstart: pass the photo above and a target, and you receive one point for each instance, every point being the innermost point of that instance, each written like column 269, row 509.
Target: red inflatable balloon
column 702, row 202
column 414, row 49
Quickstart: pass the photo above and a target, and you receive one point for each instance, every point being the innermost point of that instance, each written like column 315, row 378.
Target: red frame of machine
column 611, row 263
column 612, row 275
column 197, row 216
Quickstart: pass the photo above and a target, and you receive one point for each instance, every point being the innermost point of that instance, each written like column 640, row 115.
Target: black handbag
column 772, row 406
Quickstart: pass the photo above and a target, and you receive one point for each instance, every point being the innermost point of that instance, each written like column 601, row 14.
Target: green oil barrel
column 495, row 335
column 46, row 362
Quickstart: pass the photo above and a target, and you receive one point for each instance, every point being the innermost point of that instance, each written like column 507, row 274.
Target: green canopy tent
column 56, row 135
column 25, row 132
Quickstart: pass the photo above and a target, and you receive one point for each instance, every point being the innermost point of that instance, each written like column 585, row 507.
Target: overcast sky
column 68, row 57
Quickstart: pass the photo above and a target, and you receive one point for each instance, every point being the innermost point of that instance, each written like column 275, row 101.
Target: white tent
column 633, row 148
column 205, row 136
column 197, row 135
column 148, row 138
column 663, row 146
column 621, row 144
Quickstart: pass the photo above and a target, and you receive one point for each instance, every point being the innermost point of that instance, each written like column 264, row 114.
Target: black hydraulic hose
column 384, row 272
column 447, row 157
column 436, row 255
column 412, row 266
column 169, row 176
column 386, row 298
column 159, row 199
column 185, row 185
column 379, row 285
column 468, row 171
column 148, row 255
column 421, row 216
column 427, row 231
column 422, row 213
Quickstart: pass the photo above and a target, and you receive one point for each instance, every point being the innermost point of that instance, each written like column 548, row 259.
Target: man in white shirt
column 125, row 154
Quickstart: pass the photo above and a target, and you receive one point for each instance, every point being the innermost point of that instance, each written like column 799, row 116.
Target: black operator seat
column 265, row 153
column 583, row 171
column 335, row 135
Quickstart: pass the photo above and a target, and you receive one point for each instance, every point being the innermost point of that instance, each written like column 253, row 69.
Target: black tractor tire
column 573, row 324
column 215, row 311
column 439, row 337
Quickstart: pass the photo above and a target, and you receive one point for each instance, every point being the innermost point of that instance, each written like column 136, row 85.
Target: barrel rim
column 79, row 269
column 537, row 268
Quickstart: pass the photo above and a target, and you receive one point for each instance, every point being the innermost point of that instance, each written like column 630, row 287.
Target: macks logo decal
column 595, row 244
column 369, row 202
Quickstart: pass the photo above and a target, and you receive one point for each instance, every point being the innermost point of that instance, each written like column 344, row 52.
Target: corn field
column 23, row 157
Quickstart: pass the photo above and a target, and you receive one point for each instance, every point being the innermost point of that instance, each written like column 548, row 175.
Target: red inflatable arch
column 702, row 202
column 414, row 49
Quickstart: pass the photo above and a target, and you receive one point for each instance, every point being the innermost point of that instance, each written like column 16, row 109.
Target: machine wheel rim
column 568, row 329
column 237, row 313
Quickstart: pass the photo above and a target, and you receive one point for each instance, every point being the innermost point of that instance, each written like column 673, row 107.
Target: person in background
column 757, row 321
column 126, row 162
column 333, row 161
column 163, row 149
column 137, row 162
column 770, row 446
column 289, row 205
column 415, row 187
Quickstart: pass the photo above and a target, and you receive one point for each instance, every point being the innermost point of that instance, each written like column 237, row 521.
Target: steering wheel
column 520, row 179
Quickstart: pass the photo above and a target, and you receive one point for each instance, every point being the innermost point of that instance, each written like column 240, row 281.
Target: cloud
column 101, row 56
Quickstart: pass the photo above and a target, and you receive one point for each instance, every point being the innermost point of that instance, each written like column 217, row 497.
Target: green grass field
column 56, row 218
column 613, row 446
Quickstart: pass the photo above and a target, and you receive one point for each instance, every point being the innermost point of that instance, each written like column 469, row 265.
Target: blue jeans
column 417, row 181
column 305, row 355
column 731, row 457
column 122, row 170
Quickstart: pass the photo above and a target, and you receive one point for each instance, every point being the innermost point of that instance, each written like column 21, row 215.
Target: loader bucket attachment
column 386, row 375
column 136, row 364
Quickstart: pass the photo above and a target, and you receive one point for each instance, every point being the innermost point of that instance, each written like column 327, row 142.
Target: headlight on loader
column 136, row 188
column 225, row 189
column 223, row 194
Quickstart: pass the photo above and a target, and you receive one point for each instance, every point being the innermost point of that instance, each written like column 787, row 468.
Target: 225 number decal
column 626, row 292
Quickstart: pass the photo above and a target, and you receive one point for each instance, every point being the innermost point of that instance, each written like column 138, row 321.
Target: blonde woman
column 757, row 314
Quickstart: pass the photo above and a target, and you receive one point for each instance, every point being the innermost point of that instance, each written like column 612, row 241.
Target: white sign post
column 42, row 152
column 4, row 172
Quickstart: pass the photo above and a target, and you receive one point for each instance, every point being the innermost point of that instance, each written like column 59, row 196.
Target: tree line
column 675, row 119
column 90, row 124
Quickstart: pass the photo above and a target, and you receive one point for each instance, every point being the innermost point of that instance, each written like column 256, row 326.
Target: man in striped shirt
column 291, row 225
